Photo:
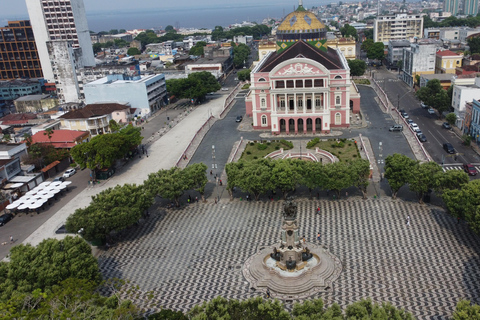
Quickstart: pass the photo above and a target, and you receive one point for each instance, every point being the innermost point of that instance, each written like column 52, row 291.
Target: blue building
column 13, row 89
column 475, row 121
column 146, row 94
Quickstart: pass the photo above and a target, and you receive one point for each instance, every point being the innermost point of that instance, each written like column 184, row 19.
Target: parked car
column 409, row 121
column 470, row 169
column 431, row 111
column 397, row 127
column 61, row 179
column 224, row 89
column 4, row 218
column 424, row 106
column 414, row 127
column 404, row 114
column 239, row 119
column 421, row 137
column 446, row 125
column 69, row 173
column 448, row 147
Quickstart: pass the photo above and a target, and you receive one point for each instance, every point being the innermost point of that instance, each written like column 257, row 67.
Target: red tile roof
column 447, row 53
column 17, row 118
column 94, row 110
column 60, row 138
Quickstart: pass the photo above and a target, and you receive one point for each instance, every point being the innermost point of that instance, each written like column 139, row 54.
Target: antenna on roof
column 300, row 3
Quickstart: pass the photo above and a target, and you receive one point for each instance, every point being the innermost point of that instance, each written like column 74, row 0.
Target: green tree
column 368, row 33
column 360, row 174
column 113, row 209
column 423, row 179
column 474, row 44
column 357, row 67
column 255, row 177
column 465, row 203
column 240, row 55
column 376, row 51
column 46, row 265
column 198, row 49
column 286, row 175
column 433, row 94
column 366, row 309
column 465, row 310
column 133, row 51
column 49, row 133
column 169, row 184
column 450, row 180
column 398, row 169
column 314, row 176
column 196, row 174
column 97, row 47
column 7, row 138
column 113, row 125
column 428, row 23
column 349, row 31
column 169, row 28
column 167, row 314
column 338, row 177
column 451, row 118
column 233, row 169
column 113, row 31
column 244, row 75
column 196, row 86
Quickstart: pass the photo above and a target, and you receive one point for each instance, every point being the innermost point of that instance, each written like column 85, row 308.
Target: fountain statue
column 289, row 267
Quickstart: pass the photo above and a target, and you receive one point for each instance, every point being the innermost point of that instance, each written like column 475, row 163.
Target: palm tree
column 49, row 132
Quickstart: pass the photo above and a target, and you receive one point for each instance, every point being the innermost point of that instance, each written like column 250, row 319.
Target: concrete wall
column 80, row 19
column 64, row 66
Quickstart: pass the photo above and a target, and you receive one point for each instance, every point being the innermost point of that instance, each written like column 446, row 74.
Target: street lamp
column 214, row 164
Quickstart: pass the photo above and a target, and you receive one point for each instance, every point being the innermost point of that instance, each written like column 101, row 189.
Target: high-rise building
column 56, row 24
column 470, row 7
column 400, row 26
column 451, row 6
column 18, row 53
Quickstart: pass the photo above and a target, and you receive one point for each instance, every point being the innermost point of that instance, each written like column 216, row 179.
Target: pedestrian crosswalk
column 448, row 167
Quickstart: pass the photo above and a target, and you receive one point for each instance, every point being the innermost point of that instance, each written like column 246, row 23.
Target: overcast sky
column 17, row 8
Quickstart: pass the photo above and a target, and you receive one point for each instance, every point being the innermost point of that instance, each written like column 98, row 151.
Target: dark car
column 446, row 125
column 59, row 179
column 4, row 218
column 448, row 147
column 421, row 137
column 239, row 119
column 470, row 169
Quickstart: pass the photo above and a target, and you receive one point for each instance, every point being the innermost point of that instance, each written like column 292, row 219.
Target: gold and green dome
column 300, row 21
column 301, row 25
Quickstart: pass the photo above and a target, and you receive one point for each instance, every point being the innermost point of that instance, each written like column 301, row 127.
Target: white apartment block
column 65, row 22
column 461, row 95
column 398, row 26
column 418, row 59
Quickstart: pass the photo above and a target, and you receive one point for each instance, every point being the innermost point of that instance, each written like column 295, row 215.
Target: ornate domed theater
column 304, row 87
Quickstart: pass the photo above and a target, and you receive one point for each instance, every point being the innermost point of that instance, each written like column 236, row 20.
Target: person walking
column 318, row 236
column 11, row 239
column 318, row 210
column 408, row 220
column 304, row 240
column 268, row 293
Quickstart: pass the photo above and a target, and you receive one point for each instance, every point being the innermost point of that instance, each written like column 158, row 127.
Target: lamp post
column 214, row 164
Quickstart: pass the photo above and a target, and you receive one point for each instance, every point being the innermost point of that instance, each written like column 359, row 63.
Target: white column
column 286, row 103
column 304, row 104
column 295, row 103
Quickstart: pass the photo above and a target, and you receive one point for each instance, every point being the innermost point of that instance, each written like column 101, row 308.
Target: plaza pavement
column 163, row 154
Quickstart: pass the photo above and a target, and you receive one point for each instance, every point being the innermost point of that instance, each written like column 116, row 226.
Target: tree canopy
column 357, row 67
column 240, row 54
column 257, row 31
column 197, row 49
column 398, row 169
column 434, row 95
column 113, row 209
column 244, row 75
column 349, row 31
column 133, row 51
column 195, row 86
column 376, row 51
column 45, row 265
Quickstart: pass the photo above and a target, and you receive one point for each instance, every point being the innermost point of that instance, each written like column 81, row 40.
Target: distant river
column 185, row 17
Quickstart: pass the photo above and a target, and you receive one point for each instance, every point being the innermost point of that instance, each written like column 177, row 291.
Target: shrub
column 286, row 143
column 277, row 148
column 268, row 143
column 252, row 144
column 248, row 152
column 261, row 146
column 313, row 142
column 255, row 157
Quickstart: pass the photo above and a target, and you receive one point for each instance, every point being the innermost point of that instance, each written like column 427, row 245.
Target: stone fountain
column 291, row 268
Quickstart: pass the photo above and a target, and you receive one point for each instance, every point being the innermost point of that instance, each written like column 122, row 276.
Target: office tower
column 470, row 7
column 400, row 26
column 18, row 53
column 61, row 24
column 451, row 6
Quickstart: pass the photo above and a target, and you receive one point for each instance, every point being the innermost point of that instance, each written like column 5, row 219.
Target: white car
column 431, row 111
column 69, row 173
column 414, row 127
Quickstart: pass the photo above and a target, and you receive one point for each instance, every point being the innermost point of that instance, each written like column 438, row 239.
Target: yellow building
column 446, row 61
column 346, row 46
column 264, row 47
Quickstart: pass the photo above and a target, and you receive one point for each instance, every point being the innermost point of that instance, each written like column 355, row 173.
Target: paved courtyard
column 194, row 254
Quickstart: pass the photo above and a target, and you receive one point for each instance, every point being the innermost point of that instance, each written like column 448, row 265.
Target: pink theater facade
column 301, row 95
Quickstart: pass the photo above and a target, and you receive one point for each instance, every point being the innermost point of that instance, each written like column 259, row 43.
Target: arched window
column 264, row 120
column 337, row 100
column 262, row 102
column 338, row 77
column 338, row 118
column 261, row 79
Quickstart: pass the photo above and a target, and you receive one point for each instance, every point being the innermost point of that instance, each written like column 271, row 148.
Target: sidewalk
column 163, row 154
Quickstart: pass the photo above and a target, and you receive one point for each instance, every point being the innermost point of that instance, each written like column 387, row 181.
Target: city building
column 89, row 74
column 460, row 96
column 445, row 79
column 303, row 87
column 35, row 103
column 395, row 51
column 418, row 59
column 10, row 156
column 470, row 7
column 18, row 53
column 451, row 6
column 61, row 139
column 11, row 90
column 95, row 118
column 146, row 94
column 347, row 46
column 447, row 61
column 217, row 61
column 398, row 26
column 62, row 36
column 112, row 37
column 475, row 120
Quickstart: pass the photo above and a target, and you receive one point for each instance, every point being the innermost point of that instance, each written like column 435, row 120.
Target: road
column 403, row 97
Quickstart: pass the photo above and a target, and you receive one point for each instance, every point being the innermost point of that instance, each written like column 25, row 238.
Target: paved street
column 195, row 254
